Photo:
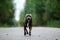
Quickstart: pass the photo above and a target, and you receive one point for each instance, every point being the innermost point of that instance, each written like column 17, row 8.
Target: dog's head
column 28, row 16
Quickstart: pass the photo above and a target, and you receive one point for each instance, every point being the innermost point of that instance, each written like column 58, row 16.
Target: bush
column 53, row 23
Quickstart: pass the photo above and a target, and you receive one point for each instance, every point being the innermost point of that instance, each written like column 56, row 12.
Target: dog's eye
column 27, row 16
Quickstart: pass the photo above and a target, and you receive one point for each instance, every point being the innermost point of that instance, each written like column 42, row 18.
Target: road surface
column 38, row 33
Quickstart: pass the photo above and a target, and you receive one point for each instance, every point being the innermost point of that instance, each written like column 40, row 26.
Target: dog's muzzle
column 28, row 18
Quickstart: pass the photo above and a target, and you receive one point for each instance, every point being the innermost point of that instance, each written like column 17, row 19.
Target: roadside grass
column 54, row 23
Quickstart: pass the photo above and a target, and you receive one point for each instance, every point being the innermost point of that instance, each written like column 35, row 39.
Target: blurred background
column 45, row 13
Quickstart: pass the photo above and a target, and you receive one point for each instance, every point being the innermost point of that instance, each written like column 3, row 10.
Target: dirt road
column 38, row 33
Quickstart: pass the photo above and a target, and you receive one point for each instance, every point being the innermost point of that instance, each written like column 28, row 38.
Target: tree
column 45, row 12
column 6, row 12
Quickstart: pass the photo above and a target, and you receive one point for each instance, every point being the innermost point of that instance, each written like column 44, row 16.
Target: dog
column 27, row 23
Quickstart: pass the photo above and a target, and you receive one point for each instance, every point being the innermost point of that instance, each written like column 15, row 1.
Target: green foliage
column 22, row 18
column 53, row 23
column 45, row 12
column 4, row 25
column 6, row 12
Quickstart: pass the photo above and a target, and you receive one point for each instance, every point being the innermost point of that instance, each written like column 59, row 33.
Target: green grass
column 5, row 26
column 54, row 23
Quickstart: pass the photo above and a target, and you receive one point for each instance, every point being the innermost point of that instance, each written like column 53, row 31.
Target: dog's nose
column 28, row 18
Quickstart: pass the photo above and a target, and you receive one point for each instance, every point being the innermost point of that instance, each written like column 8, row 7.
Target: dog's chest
column 28, row 23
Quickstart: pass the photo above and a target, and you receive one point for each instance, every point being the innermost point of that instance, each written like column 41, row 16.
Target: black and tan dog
column 28, row 23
